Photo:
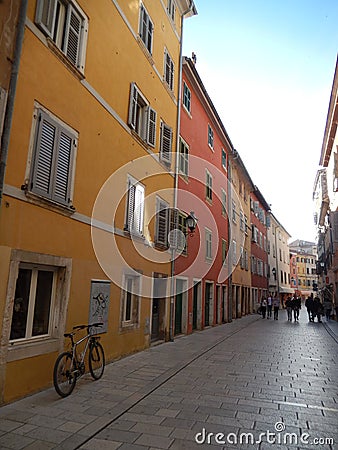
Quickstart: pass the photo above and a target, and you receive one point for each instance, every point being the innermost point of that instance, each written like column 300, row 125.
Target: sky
column 268, row 68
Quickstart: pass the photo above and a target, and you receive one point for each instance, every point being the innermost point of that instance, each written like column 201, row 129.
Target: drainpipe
column 11, row 94
column 172, row 287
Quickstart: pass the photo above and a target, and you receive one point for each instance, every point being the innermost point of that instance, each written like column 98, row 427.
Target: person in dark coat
column 309, row 307
column 296, row 305
column 288, row 305
column 317, row 309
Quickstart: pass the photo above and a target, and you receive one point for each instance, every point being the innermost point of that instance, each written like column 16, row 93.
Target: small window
column 142, row 118
column 171, row 9
column 208, row 186
column 65, row 23
column 130, row 300
column 135, row 207
column 183, row 158
column 210, row 137
column 224, row 202
column 224, row 159
column 224, row 251
column 168, row 70
column 241, row 221
column 146, row 29
column 53, row 159
column 186, row 97
column 166, row 143
column 33, row 302
column 208, row 244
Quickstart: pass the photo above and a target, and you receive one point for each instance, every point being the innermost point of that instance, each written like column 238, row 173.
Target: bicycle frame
column 79, row 362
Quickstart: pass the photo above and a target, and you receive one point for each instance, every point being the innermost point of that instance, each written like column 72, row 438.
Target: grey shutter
column 334, row 225
column 162, row 223
column 43, row 162
column 151, row 128
column 132, row 106
column 45, row 16
column 166, row 142
column 72, row 35
column 62, row 169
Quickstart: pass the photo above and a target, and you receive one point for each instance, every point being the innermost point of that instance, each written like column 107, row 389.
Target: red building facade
column 201, row 269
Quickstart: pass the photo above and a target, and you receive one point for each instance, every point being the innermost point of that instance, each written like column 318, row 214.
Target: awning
column 286, row 290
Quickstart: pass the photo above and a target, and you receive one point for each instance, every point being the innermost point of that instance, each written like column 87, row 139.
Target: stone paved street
column 251, row 376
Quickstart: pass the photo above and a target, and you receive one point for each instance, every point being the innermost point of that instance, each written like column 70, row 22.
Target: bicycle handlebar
column 93, row 325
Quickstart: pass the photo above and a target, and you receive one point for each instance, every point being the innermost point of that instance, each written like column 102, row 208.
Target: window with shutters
column 162, row 223
column 168, row 70
column 224, row 251
column 234, row 252
column 166, row 143
column 66, row 25
column 130, row 301
column 135, row 207
column 142, row 118
column 210, row 137
column 224, row 202
column 178, row 231
column 146, row 29
column 224, row 159
column 171, row 9
column 53, row 159
column 186, row 98
column 208, row 186
column 208, row 244
column 183, row 162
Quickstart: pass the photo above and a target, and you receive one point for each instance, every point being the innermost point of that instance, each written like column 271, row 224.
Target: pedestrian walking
column 317, row 309
column 263, row 307
column 296, row 306
column 275, row 307
column 309, row 307
column 327, row 308
column 288, row 305
column 269, row 306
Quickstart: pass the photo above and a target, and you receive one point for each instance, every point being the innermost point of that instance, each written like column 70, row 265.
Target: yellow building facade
column 89, row 182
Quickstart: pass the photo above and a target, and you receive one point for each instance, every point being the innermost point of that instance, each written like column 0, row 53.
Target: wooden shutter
column 133, row 106
column 173, row 228
column 139, row 209
column 162, row 223
column 166, row 142
column 151, row 126
column 72, row 35
column 62, row 168
column 42, row 173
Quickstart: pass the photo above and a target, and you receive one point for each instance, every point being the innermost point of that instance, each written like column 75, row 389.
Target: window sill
column 66, row 61
column 28, row 349
column 49, row 204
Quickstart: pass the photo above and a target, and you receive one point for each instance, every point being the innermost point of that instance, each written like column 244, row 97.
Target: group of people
column 315, row 308
column 293, row 305
column 266, row 307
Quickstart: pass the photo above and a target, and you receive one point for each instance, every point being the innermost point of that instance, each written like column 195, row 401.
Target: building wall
column 93, row 103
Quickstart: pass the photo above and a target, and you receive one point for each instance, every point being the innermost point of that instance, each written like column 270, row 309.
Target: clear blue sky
column 268, row 68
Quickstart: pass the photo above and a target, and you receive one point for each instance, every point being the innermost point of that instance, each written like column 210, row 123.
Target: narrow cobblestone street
column 205, row 390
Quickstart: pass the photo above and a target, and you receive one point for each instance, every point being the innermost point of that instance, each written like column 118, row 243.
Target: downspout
column 11, row 94
column 179, row 96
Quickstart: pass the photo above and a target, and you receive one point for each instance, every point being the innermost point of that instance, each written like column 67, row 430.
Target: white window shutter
column 139, row 209
column 151, row 126
column 130, row 207
column 173, row 238
column 166, row 142
column 133, row 106
column 72, row 35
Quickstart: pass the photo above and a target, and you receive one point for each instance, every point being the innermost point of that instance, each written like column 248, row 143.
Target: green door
column 178, row 313
column 194, row 306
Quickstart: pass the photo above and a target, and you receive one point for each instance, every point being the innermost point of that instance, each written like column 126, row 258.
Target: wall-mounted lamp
column 274, row 272
column 191, row 222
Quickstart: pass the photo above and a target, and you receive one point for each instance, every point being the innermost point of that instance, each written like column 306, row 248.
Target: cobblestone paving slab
column 238, row 380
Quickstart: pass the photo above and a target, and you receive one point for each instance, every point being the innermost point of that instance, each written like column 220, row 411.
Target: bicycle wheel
column 64, row 377
column 96, row 360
